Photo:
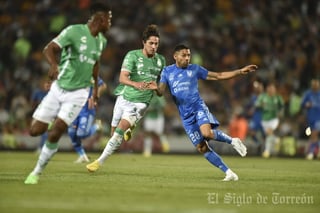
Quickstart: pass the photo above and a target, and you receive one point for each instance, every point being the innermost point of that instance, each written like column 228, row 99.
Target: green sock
column 51, row 145
column 119, row 131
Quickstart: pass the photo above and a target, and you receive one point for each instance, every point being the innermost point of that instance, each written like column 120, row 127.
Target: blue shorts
column 255, row 125
column 314, row 125
column 83, row 122
column 198, row 117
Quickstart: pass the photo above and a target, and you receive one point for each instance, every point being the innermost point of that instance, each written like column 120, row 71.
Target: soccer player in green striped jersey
column 271, row 105
column 80, row 47
column 139, row 68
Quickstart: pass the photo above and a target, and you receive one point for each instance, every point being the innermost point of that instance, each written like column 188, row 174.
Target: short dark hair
column 181, row 47
column 151, row 30
column 99, row 7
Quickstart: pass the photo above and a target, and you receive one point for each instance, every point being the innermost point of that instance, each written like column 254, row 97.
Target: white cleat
column 231, row 176
column 82, row 159
column 239, row 146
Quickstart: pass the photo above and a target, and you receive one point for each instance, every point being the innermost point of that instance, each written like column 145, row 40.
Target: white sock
column 84, row 155
column 45, row 155
column 229, row 172
column 269, row 143
column 112, row 145
column 147, row 145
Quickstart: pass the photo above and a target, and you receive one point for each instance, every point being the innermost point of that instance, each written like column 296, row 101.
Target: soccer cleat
column 127, row 134
column 82, row 159
column 32, row 179
column 94, row 166
column 147, row 154
column 266, row 154
column 231, row 176
column 309, row 156
column 98, row 123
column 165, row 146
column 239, row 146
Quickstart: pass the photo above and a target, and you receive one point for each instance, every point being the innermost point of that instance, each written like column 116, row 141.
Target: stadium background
column 281, row 37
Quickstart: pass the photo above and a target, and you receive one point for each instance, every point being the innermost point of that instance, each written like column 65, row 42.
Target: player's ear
column 175, row 56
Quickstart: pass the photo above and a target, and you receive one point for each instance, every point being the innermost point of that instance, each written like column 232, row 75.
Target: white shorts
column 61, row 103
column 155, row 125
column 270, row 124
column 124, row 109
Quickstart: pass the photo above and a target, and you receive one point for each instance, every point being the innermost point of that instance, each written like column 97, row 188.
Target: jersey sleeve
column 202, row 73
column 304, row 100
column 65, row 37
column 128, row 62
column 163, row 77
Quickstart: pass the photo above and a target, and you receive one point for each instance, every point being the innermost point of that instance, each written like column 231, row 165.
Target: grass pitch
column 162, row 183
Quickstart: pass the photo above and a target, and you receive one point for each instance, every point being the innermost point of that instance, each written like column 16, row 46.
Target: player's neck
column 92, row 28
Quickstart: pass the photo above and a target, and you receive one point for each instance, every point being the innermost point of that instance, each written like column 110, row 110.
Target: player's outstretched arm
column 230, row 74
column 158, row 88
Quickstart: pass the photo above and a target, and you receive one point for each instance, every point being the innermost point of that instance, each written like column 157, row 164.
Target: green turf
column 162, row 183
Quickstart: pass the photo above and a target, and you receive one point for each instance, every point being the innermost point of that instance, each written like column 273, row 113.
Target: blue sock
column 93, row 130
column 216, row 160
column 221, row 136
column 76, row 143
column 313, row 147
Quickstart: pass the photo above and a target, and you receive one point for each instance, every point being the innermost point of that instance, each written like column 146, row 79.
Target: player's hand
column 247, row 69
column 91, row 103
column 53, row 73
column 142, row 85
column 152, row 85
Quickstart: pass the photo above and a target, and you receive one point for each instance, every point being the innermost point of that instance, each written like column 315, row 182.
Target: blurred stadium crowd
column 281, row 37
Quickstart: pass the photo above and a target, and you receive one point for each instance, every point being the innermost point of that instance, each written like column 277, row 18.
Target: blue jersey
column 313, row 112
column 85, row 109
column 81, row 126
column 183, row 86
column 256, row 117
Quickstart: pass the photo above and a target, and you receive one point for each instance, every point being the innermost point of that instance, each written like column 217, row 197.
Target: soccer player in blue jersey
column 83, row 126
column 311, row 103
column 199, row 124
column 255, row 115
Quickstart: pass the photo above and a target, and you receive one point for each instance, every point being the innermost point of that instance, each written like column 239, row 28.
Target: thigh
column 204, row 116
column 49, row 107
column 71, row 104
column 85, row 124
column 133, row 112
column 154, row 124
column 117, row 111
column 193, row 132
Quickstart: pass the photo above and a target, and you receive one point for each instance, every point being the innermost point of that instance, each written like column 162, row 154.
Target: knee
column 37, row 128
column 207, row 133
column 202, row 147
column 57, row 130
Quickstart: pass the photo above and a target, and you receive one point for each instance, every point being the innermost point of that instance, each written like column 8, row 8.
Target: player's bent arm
column 124, row 78
column 95, row 74
column 50, row 52
column 160, row 89
column 230, row 74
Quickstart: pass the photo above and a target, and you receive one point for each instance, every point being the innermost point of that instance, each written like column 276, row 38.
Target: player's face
column 182, row 57
column 271, row 89
column 150, row 46
column 315, row 85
